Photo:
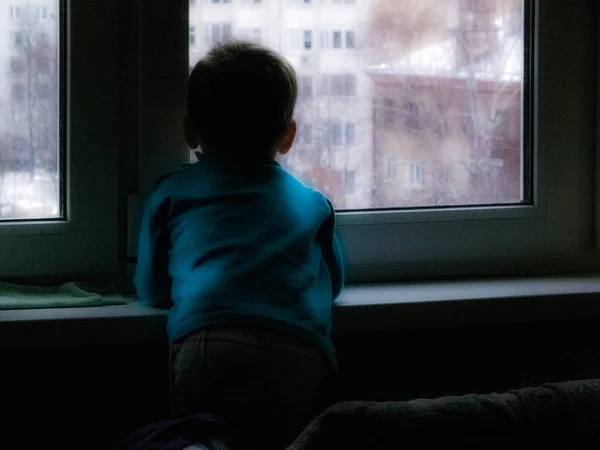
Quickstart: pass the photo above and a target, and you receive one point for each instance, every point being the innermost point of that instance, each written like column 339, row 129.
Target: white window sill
column 423, row 305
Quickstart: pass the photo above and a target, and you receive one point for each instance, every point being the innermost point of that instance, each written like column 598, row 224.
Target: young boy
column 243, row 254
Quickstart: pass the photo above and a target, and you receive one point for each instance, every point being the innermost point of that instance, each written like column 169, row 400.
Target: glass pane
column 417, row 103
column 29, row 110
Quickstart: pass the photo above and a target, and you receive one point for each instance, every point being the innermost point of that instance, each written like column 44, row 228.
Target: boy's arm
column 152, row 280
column 332, row 252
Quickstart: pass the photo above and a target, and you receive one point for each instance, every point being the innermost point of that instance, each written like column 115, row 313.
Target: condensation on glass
column 29, row 110
column 403, row 103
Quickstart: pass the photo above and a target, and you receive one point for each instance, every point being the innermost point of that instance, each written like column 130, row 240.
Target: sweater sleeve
column 152, row 280
column 332, row 252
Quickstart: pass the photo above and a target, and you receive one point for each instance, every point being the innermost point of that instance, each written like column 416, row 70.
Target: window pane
column 426, row 112
column 30, row 114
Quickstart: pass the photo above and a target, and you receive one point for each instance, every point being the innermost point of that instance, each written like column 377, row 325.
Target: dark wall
column 91, row 397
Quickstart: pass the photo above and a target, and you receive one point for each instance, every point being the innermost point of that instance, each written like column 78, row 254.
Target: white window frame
column 86, row 242
column 553, row 235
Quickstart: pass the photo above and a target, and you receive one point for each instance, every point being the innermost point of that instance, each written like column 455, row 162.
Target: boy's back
column 244, row 245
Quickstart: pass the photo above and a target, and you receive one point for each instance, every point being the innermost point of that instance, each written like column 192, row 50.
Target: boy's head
column 241, row 99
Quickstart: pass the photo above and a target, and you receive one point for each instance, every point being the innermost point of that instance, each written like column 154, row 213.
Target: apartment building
column 324, row 42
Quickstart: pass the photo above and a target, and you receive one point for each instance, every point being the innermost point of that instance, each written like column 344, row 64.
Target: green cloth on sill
column 69, row 295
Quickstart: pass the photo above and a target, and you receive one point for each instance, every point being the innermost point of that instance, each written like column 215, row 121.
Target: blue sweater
column 220, row 245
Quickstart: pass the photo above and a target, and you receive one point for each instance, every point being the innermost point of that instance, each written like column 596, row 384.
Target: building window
column 337, row 39
column 18, row 144
column 412, row 116
column 415, row 175
column 307, row 37
column 338, row 84
column 336, row 133
column 389, row 113
column 192, row 36
column 15, row 12
column 350, row 85
column 306, row 86
column 306, row 133
column 390, row 169
column 350, row 40
column 17, row 65
column 16, row 38
column 350, row 134
column 18, row 92
column 44, row 39
column 349, row 181
column 43, row 65
column 468, row 127
column 217, row 33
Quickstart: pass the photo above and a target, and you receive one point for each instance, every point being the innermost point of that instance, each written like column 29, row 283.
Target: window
column 16, row 38
column 306, row 133
column 412, row 116
column 44, row 39
column 350, row 134
column 415, row 176
column 306, row 87
column 307, row 39
column 390, row 169
column 15, row 12
column 337, row 39
column 192, row 36
column 338, row 84
column 18, row 93
column 216, row 33
column 43, row 66
column 389, row 113
column 54, row 220
column 350, row 181
column 350, row 84
column 336, row 133
column 17, row 65
column 408, row 101
column 350, row 42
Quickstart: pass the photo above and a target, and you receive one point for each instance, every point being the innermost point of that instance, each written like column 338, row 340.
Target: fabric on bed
column 562, row 415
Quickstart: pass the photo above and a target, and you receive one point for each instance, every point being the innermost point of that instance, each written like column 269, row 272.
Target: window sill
column 361, row 308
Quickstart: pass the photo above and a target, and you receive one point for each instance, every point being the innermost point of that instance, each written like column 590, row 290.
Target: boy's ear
column 191, row 138
column 288, row 138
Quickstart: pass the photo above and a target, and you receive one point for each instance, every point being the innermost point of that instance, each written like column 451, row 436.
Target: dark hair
column 241, row 98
